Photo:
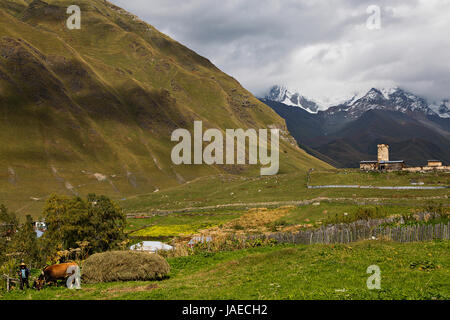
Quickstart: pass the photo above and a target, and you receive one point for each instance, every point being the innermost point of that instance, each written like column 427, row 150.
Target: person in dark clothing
column 24, row 274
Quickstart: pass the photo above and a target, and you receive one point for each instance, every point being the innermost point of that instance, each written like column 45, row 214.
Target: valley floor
column 408, row 271
column 239, row 192
column 220, row 204
column 228, row 191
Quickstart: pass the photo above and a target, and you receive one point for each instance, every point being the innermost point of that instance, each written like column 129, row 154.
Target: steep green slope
column 92, row 110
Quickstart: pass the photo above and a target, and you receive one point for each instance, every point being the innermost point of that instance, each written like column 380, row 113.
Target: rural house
column 384, row 164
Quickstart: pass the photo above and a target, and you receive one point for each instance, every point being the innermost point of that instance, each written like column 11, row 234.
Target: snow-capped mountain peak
column 389, row 91
column 374, row 95
column 284, row 95
column 391, row 99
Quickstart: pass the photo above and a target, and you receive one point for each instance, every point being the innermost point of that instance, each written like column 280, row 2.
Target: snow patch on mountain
column 442, row 109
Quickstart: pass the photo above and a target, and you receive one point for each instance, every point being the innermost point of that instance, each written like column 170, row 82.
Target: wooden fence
column 8, row 280
column 360, row 231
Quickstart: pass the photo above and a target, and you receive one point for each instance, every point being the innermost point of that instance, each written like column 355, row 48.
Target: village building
column 368, row 165
column 383, row 153
column 39, row 227
column 434, row 163
column 391, row 165
column 383, row 163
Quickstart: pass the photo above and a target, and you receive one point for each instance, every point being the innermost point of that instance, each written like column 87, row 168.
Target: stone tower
column 383, row 152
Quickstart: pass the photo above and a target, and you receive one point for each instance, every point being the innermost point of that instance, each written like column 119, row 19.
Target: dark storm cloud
column 322, row 48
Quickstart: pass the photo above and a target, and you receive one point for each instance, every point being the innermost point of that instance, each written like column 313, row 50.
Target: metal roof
column 398, row 161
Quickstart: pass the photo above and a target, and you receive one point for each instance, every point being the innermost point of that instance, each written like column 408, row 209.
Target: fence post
column 7, row 284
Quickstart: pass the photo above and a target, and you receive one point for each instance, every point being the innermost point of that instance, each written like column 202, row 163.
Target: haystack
column 124, row 266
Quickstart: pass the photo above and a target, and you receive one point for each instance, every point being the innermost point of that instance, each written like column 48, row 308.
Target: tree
column 8, row 226
column 55, row 216
column 24, row 244
column 18, row 242
column 98, row 220
column 108, row 221
column 8, row 222
column 67, row 220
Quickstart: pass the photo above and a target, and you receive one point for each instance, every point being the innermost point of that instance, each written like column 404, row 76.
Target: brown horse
column 51, row 274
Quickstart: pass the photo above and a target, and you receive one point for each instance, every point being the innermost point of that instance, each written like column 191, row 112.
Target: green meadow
column 229, row 191
column 313, row 214
column 381, row 179
column 337, row 272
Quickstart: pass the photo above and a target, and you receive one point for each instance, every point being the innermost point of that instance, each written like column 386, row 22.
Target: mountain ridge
column 413, row 137
column 92, row 110
column 393, row 98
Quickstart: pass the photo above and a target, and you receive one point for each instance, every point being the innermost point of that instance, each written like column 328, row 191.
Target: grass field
column 408, row 271
column 357, row 177
column 282, row 218
column 215, row 200
column 212, row 217
column 239, row 192
column 246, row 191
column 330, row 210
column 177, row 224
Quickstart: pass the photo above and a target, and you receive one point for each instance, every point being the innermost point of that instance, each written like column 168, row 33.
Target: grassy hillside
column 92, row 110
column 408, row 271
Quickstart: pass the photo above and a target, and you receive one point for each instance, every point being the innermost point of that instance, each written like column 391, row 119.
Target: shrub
column 124, row 266
column 438, row 208
column 273, row 226
column 362, row 213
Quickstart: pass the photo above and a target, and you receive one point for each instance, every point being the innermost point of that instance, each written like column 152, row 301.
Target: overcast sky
column 323, row 49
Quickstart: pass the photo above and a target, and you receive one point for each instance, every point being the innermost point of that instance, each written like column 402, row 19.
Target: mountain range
column 349, row 132
column 394, row 99
column 92, row 110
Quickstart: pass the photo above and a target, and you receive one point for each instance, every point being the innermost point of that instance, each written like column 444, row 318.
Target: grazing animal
column 51, row 274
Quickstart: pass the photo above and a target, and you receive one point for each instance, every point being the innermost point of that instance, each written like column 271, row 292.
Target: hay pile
column 124, row 266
